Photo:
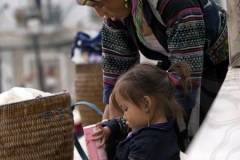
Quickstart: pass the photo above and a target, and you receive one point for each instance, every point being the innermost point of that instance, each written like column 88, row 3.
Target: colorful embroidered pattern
column 219, row 51
column 118, row 65
column 194, row 60
column 117, row 40
column 186, row 36
column 119, row 53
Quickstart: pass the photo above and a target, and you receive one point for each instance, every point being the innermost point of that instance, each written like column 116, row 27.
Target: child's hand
column 101, row 134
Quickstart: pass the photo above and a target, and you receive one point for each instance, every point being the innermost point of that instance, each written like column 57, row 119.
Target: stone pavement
column 83, row 144
column 218, row 137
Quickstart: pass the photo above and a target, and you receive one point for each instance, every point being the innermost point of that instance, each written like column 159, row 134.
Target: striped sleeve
column 119, row 54
column 186, row 34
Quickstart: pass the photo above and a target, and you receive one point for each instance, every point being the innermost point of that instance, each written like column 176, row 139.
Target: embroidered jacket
column 193, row 31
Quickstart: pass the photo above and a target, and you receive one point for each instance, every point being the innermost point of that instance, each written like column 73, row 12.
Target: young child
column 146, row 95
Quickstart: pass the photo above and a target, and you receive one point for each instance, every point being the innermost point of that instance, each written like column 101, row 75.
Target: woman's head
column 147, row 86
column 113, row 9
column 116, row 9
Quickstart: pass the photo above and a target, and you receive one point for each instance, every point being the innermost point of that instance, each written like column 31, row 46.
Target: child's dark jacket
column 156, row 142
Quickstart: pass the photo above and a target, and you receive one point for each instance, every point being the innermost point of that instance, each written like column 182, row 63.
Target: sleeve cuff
column 106, row 93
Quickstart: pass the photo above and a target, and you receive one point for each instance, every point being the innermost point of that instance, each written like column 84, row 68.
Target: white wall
column 71, row 12
column 7, row 71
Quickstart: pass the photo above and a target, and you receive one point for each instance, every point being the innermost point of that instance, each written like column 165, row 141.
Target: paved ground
column 83, row 144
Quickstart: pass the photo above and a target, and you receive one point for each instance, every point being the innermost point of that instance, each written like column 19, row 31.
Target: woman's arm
column 119, row 54
column 186, row 38
column 111, row 112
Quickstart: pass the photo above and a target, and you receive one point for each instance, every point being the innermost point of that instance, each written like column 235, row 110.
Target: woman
column 194, row 31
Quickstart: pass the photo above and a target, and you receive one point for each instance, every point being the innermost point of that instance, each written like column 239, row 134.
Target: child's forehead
column 87, row 2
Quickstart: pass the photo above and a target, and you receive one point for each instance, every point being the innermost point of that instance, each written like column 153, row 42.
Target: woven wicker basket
column 37, row 129
column 89, row 87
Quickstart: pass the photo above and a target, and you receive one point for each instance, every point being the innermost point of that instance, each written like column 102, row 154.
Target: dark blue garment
column 149, row 143
column 88, row 44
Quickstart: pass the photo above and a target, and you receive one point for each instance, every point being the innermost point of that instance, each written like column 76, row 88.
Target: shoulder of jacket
column 154, row 5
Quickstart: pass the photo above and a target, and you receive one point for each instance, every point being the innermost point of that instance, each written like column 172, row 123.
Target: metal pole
column 49, row 6
column 1, row 71
column 233, row 8
column 38, row 62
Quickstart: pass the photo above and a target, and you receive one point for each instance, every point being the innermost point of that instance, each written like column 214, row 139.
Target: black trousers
column 183, row 136
column 212, row 80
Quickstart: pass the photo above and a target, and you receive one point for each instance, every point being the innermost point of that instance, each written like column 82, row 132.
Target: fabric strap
column 76, row 142
column 153, row 6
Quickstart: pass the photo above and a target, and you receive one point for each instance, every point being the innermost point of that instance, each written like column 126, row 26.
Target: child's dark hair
column 149, row 80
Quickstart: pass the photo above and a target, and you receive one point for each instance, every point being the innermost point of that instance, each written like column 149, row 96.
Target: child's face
column 135, row 116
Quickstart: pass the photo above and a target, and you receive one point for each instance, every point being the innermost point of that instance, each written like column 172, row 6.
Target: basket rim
column 40, row 98
column 35, row 106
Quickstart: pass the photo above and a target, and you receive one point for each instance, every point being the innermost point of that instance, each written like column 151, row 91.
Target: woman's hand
column 113, row 111
column 101, row 134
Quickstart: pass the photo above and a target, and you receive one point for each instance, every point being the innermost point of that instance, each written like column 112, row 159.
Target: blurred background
column 36, row 37
column 36, row 40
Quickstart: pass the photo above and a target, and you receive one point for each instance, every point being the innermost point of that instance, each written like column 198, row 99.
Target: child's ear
column 147, row 102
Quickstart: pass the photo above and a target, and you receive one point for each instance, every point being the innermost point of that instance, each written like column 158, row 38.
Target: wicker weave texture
column 89, row 87
column 37, row 129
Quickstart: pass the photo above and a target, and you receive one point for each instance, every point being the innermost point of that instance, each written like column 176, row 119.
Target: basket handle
column 90, row 105
column 76, row 143
column 79, row 148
